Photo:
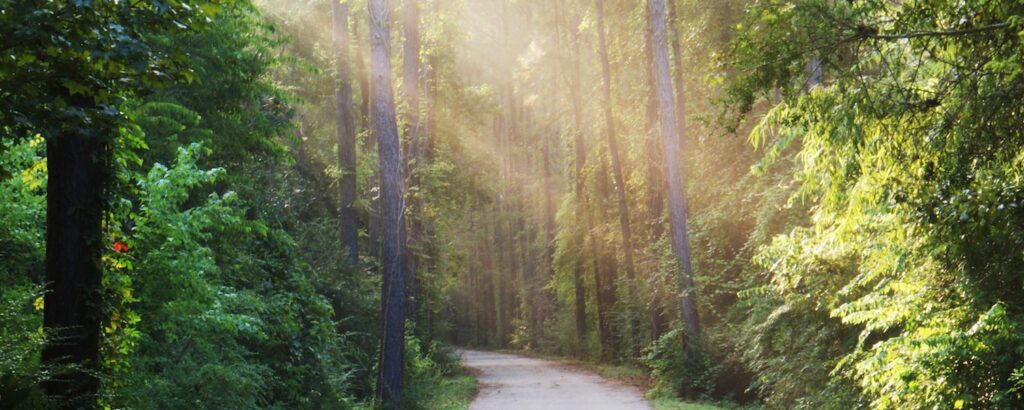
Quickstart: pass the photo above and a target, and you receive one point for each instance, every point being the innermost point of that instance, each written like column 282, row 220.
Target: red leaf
column 120, row 247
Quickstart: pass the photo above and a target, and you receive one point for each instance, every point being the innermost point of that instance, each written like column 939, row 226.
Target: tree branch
column 866, row 33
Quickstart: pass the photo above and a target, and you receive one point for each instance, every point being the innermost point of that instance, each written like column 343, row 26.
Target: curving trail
column 512, row 382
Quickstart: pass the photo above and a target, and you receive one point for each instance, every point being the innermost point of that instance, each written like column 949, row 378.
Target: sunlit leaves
column 910, row 153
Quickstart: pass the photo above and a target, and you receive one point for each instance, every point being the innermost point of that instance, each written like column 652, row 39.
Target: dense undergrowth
column 224, row 278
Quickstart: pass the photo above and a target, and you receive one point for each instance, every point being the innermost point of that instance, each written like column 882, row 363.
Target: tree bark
column 364, row 76
column 385, row 128
column 605, row 265
column 617, row 174
column 676, row 196
column 79, row 174
column 373, row 217
column 345, row 118
column 677, row 57
column 653, row 177
column 411, row 100
column 613, row 145
column 580, row 162
column 430, row 95
column 549, row 235
column 411, row 77
column 499, row 274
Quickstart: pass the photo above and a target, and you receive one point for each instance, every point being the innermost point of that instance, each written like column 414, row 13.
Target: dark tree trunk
column 79, row 174
column 385, row 128
column 345, row 118
column 676, row 196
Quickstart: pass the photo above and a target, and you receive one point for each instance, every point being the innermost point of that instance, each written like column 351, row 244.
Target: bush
column 427, row 366
column 681, row 365
column 21, row 340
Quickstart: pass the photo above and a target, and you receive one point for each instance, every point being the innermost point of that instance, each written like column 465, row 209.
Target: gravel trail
column 512, row 382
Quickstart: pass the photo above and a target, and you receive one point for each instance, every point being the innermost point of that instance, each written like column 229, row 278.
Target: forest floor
column 509, row 381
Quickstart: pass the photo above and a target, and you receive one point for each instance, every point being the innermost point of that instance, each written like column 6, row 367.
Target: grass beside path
column 641, row 379
column 665, row 403
column 454, row 392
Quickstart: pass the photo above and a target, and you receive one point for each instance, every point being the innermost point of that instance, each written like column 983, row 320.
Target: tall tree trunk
column 411, row 99
column 345, row 118
column 677, row 57
column 580, row 162
column 513, row 213
column 363, row 74
column 600, row 297
column 501, row 257
column 653, row 177
column 613, row 145
column 373, row 217
column 430, row 94
column 529, row 292
column 676, row 196
column 487, row 291
column 549, row 234
column 79, row 173
column 411, row 76
column 617, row 174
column 605, row 265
column 499, row 274
column 384, row 126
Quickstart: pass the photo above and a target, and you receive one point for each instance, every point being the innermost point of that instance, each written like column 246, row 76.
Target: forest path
column 509, row 381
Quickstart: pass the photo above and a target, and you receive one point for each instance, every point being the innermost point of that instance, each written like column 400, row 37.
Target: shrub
column 681, row 365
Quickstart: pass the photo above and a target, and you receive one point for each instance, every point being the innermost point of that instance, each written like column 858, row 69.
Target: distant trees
column 610, row 276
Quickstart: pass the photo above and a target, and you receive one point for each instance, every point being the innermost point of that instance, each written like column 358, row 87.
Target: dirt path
column 515, row 382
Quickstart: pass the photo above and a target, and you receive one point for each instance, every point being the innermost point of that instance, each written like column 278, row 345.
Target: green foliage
column 866, row 252
column 911, row 157
column 237, row 112
column 426, row 369
column 222, row 287
column 22, row 211
column 194, row 327
column 68, row 65
column 21, row 339
column 681, row 365
column 664, row 403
